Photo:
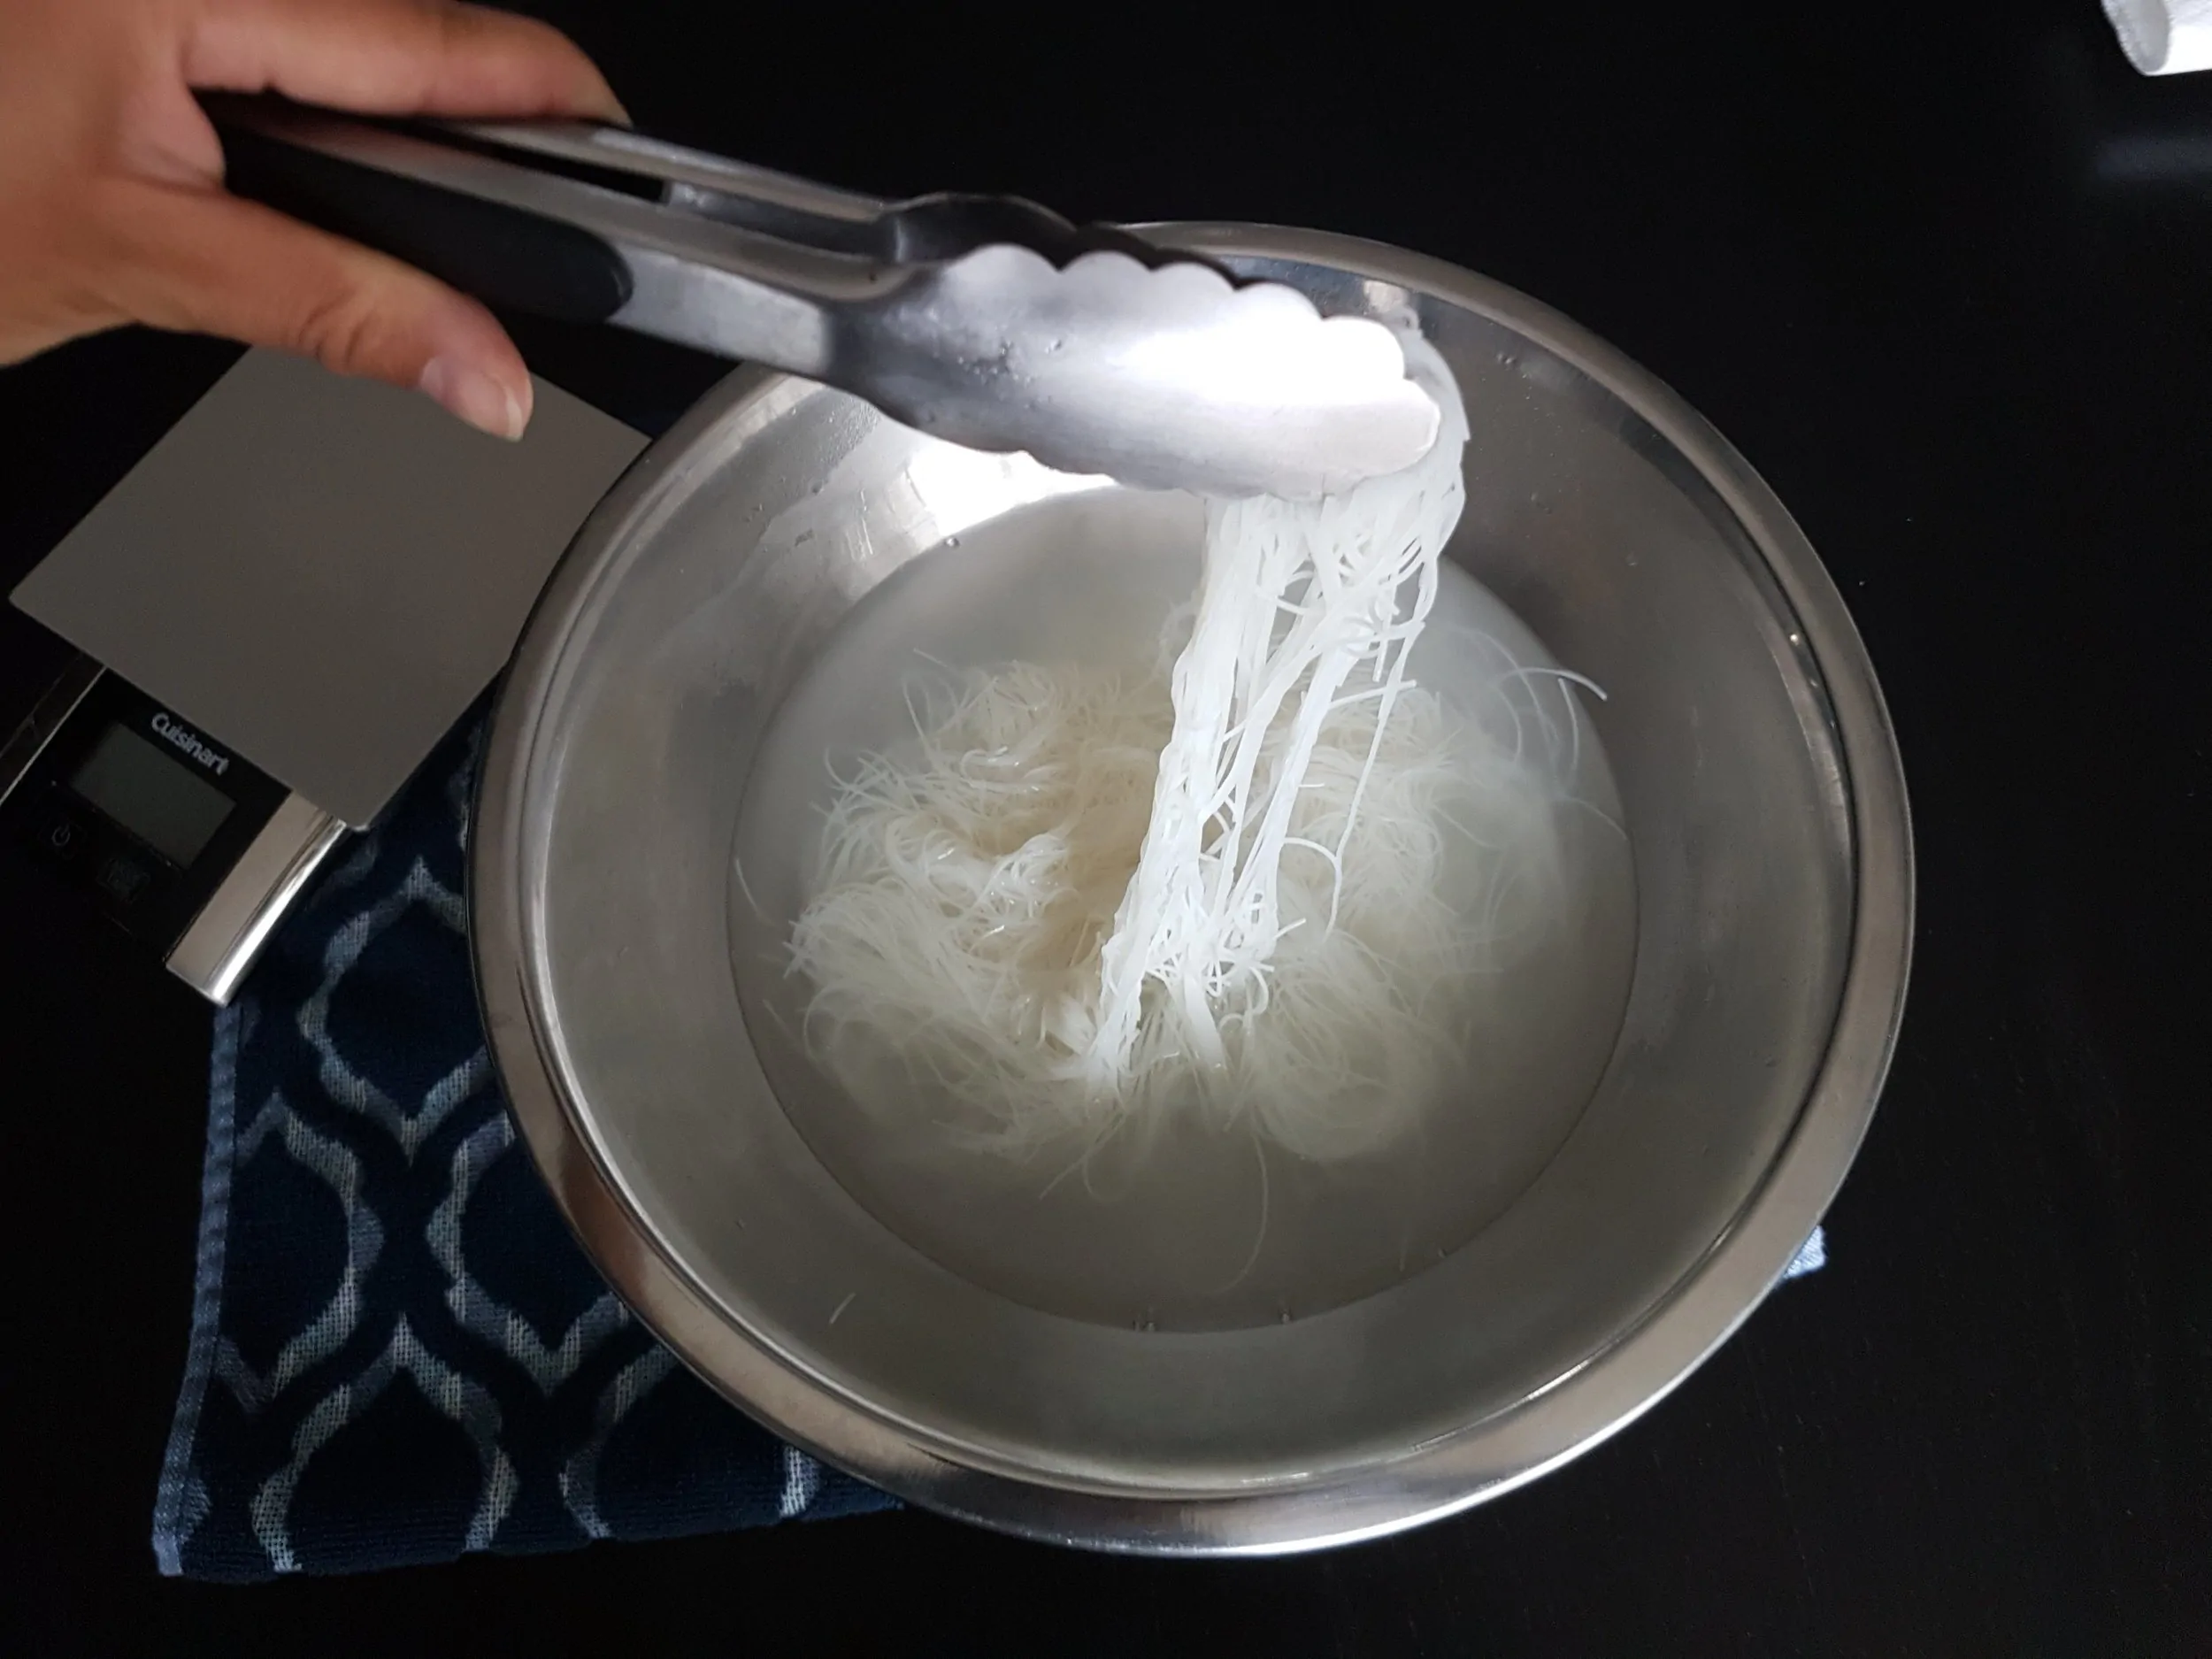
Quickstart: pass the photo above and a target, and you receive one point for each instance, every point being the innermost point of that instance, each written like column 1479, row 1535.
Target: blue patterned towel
column 398, row 1352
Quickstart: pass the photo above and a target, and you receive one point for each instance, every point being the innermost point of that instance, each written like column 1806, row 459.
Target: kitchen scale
column 277, row 614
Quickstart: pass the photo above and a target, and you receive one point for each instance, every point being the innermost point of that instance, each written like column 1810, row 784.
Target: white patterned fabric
column 398, row 1352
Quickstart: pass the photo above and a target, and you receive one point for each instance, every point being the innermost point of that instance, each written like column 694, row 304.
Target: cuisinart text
column 185, row 738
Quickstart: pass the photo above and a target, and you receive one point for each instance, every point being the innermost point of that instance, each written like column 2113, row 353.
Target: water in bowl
column 1203, row 1231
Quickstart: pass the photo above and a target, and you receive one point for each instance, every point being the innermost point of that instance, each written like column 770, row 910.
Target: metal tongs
column 985, row 320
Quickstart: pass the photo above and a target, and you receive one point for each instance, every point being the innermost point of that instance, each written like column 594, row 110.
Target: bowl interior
column 1627, row 563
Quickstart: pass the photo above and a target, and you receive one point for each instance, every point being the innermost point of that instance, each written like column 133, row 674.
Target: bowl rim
column 1609, row 1391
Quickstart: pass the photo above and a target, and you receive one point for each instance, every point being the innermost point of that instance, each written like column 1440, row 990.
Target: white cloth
column 2163, row 37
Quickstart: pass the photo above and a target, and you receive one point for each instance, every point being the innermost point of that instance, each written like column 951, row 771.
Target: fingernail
column 476, row 397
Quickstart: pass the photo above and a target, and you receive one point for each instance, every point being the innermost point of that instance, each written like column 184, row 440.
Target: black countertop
column 1945, row 275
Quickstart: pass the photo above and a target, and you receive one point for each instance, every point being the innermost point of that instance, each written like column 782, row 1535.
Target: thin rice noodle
column 1083, row 904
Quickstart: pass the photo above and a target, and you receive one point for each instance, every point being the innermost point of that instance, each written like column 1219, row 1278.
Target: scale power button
column 59, row 835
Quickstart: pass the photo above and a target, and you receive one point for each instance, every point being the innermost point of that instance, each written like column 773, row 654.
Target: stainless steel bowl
column 1773, row 870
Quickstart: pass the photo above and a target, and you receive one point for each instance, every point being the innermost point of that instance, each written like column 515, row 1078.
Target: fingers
column 394, row 58
column 207, row 263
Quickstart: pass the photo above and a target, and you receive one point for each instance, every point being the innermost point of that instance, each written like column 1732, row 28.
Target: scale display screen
column 154, row 797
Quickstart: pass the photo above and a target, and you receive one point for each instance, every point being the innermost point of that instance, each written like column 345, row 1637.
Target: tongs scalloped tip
column 1168, row 377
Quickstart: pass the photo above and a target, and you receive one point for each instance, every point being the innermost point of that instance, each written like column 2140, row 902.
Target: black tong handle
column 503, row 255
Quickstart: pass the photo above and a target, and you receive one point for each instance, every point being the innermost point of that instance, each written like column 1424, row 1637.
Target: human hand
column 112, row 205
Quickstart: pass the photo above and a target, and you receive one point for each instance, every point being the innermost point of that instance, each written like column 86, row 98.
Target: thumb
column 202, row 262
